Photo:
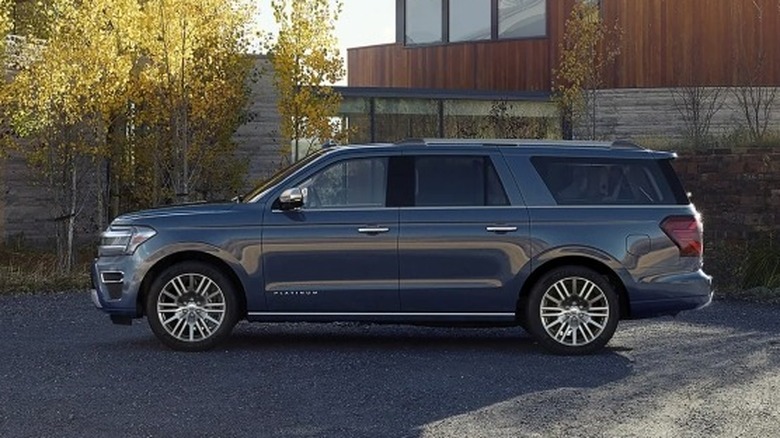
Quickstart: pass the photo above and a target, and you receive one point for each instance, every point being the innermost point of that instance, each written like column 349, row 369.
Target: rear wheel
column 572, row 310
column 192, row 306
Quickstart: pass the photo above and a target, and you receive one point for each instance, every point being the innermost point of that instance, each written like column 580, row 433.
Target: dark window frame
column 402, row 183
column 401, row 9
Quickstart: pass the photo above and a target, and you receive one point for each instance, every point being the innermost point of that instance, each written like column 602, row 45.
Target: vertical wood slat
column 665, row 43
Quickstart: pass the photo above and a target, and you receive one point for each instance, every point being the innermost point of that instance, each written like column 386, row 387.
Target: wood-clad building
column 664, row 43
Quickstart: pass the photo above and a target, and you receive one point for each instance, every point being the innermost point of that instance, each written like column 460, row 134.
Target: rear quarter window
column 599, row 181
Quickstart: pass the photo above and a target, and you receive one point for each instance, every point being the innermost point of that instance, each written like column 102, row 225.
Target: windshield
column 279, row 176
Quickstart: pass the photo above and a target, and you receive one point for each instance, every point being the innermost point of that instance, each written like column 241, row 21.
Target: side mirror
column 291, row 199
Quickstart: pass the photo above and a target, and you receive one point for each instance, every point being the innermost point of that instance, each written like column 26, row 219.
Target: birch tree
column 147, row 88
column 588, row 48
column 306, row 59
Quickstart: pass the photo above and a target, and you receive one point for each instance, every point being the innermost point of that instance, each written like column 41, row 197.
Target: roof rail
column 617, row 144
column 410, row 141
column 625, row 144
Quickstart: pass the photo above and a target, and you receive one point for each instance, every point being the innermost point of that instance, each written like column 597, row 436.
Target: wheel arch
column 189, row 256
column 577, row 260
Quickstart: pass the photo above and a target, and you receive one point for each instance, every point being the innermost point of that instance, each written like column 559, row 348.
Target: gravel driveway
column 66, row 371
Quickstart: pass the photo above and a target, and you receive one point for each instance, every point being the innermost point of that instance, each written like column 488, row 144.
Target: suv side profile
column 562, row 238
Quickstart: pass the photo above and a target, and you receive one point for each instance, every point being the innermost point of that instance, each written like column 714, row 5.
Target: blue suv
column 561, row 238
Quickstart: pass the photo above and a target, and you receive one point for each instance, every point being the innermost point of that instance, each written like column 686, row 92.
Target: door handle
column 502, row 229
column 373, row 230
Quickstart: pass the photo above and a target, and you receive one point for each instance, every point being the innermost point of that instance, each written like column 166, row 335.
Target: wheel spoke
column 209, row 330
column 168, row 321
column 168, row 294
column 210, row 318
column 204, row 286
column 590, row 291
column 180, row 324
column 178, row 286
column 596, row 299
column 551, row 312
column 562, row 332
column 564, row 293
column 590, row 332
column 599, row 326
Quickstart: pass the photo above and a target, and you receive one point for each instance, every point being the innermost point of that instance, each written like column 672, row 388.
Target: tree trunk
column 71, row 216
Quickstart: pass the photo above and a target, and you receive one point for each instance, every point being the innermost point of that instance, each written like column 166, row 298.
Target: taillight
column 686, row 233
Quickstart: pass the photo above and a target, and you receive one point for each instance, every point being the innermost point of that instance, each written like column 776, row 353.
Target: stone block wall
column 652, row 112
column 28, row 215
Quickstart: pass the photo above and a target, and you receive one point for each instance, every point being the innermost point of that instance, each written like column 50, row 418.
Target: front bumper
column 117, row 298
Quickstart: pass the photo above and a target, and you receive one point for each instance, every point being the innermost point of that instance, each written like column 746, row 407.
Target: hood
column 174, row 212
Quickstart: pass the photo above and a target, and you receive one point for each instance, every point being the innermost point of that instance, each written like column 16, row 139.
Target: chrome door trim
column 502, row 229
column 373, row 230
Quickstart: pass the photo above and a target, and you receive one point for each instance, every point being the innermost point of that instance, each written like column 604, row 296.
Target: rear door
column 463, row 243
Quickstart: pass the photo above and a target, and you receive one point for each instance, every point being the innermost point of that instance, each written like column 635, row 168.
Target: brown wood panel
column 695, row 42
column 664, row 43
column 504, row 65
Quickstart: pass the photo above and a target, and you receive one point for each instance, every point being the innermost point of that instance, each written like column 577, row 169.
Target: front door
column 339, row 252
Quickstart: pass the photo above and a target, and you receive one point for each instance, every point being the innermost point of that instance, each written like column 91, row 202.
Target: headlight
column 123, row 240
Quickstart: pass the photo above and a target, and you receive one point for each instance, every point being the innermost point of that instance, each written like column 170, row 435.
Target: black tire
column 583, row 321
column 192, row 306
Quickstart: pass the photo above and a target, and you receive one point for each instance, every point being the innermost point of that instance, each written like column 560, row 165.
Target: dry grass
column 34, row 271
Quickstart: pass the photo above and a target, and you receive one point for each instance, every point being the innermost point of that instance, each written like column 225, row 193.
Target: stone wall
column 737, row 191
column 28, row 216
column 624, row 113
column 258, row 138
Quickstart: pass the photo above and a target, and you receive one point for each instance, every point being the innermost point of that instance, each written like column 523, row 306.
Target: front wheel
column 572, row 310
column 192, row 306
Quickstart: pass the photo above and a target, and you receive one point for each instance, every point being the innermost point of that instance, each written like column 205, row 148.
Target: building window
column 522, row 18
column 469, row 20
column 424, row 21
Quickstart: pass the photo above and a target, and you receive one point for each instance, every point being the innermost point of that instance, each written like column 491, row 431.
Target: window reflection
column 522, row 18
column 469, row 20
column 423, row 21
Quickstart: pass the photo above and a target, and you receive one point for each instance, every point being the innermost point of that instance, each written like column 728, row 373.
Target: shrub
column 761, row 266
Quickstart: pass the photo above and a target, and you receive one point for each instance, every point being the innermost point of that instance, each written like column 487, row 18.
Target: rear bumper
column 671, row 295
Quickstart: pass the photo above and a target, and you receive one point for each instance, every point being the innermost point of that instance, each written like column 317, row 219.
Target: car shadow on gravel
column 365, row 380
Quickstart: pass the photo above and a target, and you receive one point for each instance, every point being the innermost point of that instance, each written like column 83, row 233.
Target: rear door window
column 457, row 181
column 597, row 181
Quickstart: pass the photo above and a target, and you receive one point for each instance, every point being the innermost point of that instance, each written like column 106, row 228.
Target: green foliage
column 503, row 121
column 305, row 58
column 761, row 266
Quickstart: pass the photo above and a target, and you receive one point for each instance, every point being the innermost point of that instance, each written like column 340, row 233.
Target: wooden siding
column 665, row 43
column 515, row 65
column 695, row 42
